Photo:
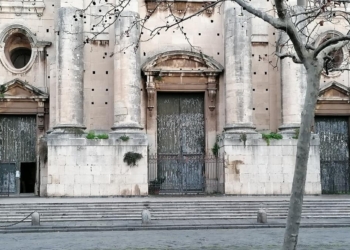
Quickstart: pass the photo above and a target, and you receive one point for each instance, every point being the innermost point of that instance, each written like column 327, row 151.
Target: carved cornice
column 19, row 7
column 181, row 7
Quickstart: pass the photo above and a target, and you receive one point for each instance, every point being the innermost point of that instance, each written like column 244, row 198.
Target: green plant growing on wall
column 102, row 136
column 2, row 91
column 43, row 149
column 130, row 158
column 243, row 138
column 273, row 136
column 216, row 148
column 91, row 135
column 296, row 134
column 158, row 78
column 124, row 138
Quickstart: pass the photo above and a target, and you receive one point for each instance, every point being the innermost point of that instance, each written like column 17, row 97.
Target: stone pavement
column 133, row 225
column 236, row 239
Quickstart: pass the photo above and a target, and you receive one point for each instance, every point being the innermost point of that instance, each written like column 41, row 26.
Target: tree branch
column 289, row 55
column 329, row 43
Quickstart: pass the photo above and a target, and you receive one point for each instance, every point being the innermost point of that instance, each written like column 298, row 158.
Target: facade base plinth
column 255, row 167
column 95, row 167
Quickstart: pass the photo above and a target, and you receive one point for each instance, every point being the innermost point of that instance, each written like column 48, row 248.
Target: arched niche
column 181, row 71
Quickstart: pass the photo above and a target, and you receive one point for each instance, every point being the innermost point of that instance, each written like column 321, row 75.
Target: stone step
column 199, row 210
column 137, row 218
column 173, row 210
column 114, row 206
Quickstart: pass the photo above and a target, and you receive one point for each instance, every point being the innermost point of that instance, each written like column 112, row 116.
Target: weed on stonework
column 273, row 136
column 91, row 135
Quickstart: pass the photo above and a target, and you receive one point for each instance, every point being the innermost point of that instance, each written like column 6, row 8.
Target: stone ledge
column 21, row 7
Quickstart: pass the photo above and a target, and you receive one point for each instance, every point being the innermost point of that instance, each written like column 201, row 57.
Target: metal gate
column 17, row 144
column 334, row 153
column 180, row 141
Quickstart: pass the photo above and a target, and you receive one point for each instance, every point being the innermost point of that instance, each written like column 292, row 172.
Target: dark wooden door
column 180, row 140
column 17, row 144
column 334, row 153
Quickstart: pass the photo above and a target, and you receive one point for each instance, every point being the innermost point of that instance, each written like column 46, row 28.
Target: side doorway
column 181, row 141
column 18, row 153
column 334, row 153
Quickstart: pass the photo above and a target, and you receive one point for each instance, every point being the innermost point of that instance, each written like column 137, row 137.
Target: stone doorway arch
column 181, row 73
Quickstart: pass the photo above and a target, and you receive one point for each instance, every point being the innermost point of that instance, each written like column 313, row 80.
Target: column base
column 289, row 130
column 68, row 129
column 127, row 127
column 239, row 128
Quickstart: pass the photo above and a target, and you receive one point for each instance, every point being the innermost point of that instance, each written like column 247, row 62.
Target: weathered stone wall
column 83, row 167
column 258, row 168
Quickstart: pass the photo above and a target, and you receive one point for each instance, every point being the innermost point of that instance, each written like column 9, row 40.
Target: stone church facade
column 211, row 84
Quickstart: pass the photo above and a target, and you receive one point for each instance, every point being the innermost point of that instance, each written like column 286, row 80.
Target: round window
column 18, row 50
column 337, row 57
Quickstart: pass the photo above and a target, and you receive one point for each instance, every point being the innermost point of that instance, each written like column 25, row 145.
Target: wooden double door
column 181, row 141
column 334, row 153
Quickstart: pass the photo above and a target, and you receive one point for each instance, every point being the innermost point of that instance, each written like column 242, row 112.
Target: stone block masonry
column 260, row 169
column 83, row 167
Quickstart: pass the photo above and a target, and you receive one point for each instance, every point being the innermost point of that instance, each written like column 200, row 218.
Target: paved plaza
column 238, row 239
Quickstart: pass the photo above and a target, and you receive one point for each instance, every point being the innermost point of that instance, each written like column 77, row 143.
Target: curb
column 49, row 229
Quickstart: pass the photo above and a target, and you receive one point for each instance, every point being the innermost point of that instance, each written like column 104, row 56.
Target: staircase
column 171, row 210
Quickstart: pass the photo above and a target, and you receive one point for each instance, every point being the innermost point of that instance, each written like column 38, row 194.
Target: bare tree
column 299, row 24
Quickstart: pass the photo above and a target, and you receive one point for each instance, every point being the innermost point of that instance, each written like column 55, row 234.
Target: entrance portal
column 17, row 145
column 334, row 153
column 181, row 141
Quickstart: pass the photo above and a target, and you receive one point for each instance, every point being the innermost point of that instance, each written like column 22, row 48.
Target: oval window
column 18, row 50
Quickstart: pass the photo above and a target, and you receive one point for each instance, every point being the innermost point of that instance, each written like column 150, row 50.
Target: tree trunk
column 303, row 147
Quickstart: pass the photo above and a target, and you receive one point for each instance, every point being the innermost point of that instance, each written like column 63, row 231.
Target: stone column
column 294, row 81
column 70, row 68
column 238, row 70
column 127, row 71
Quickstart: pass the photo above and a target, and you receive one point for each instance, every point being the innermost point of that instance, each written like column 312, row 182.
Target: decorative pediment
column 182, row 61
column 334, row 91
column 19, row 90
column 182, row 71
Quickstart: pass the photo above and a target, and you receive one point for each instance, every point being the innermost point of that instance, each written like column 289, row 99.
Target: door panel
column 180, row 123
column 17, row 142
column 334, row 153
column 7, row 178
